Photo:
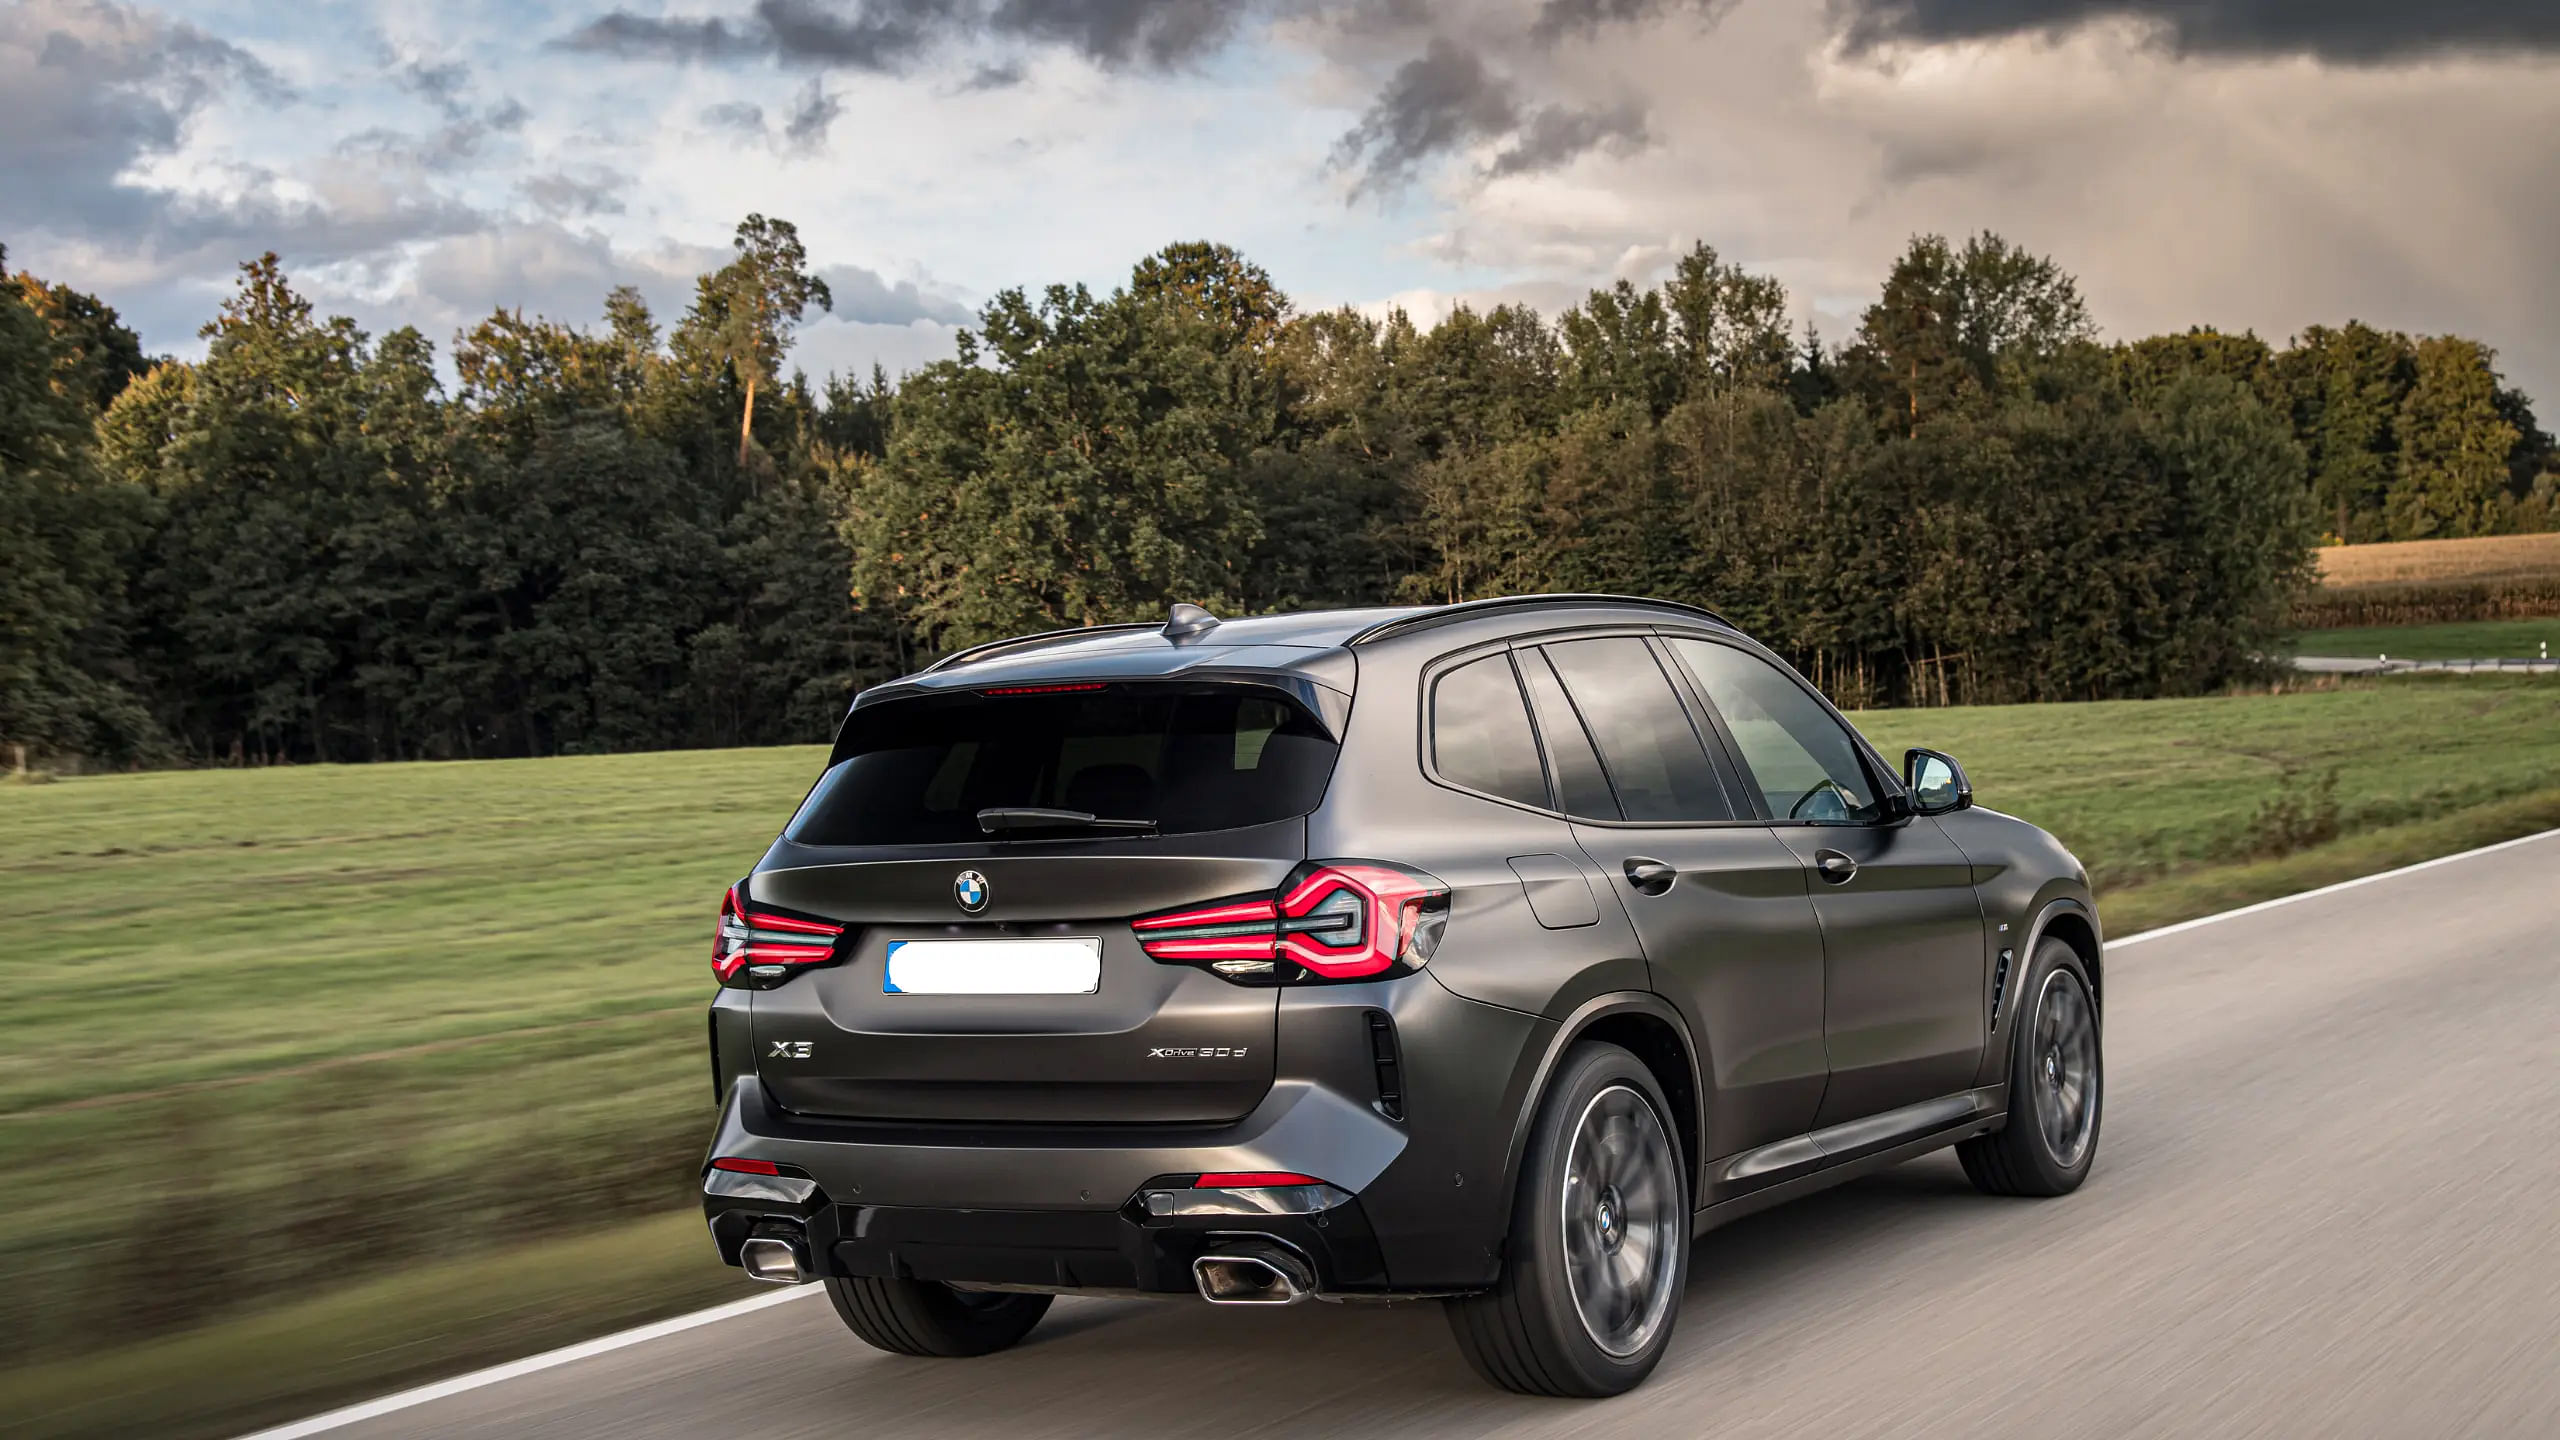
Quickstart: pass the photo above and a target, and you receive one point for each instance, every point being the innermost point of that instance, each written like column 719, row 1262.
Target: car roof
column 1305, row 644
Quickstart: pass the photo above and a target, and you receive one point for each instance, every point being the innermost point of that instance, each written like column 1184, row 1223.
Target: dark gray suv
column 1486, row 952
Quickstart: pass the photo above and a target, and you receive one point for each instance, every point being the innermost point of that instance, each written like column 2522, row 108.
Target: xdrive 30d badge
column 1487, row 952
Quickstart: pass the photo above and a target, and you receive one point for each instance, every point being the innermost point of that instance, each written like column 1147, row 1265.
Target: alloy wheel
column 1621, row 1216
column 2064, row 1077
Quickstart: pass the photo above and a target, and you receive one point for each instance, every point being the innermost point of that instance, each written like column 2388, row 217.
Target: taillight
column 757, row 948
column 1332, row 920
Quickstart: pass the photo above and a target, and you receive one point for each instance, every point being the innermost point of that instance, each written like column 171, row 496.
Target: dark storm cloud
column 2361, row 31
column 890, row 36
column 1448, row 99
column 1585, row 17
column 1556, row 134
column 813, row 112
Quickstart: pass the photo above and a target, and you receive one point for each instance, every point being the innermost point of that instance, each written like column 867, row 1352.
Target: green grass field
column 2466, row 640
column 362, row 1026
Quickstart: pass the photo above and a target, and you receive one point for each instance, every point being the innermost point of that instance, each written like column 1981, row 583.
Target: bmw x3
column 1486, row 953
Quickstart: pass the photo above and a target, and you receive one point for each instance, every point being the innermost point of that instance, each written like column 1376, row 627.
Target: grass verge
column 363, row 1340
column 2471, row 640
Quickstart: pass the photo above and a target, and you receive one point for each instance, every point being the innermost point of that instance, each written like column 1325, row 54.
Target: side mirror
column 1936, row 782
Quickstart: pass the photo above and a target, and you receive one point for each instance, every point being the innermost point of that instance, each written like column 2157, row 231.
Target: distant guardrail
column 2385, row 665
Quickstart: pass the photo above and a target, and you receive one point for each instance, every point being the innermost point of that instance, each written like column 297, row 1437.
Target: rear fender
column 1577, row 1027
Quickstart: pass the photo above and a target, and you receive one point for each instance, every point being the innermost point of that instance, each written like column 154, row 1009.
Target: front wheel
column 1599, row 1247
column 2057, row 1084
column 921, row 1317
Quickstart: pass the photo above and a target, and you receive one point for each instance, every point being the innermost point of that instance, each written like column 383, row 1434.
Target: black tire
column 2057, row 1085
column 1530, row 1333
column 922, row 1317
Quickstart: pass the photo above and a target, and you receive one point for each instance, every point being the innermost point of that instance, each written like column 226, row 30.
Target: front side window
column 1656, row 764
column 1480, row 735
column 1802, row 759
column 1190, row 759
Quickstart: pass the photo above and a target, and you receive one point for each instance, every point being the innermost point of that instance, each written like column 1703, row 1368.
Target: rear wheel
column 2057, row 1083
column 922, row 1317
column 1599, row 1248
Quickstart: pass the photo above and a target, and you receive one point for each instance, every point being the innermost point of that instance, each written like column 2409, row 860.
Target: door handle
column 1650, row 877
column 1837, row 868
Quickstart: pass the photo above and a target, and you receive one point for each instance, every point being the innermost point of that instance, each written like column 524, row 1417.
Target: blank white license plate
column 993, row 967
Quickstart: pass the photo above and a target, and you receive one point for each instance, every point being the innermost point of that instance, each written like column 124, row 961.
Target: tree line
column 308, row 546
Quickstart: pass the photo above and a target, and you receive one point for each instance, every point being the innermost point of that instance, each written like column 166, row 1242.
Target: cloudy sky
column 2266, row 164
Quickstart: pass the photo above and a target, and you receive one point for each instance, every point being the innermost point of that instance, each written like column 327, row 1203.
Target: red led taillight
column 1340, row 920
column 764, row 944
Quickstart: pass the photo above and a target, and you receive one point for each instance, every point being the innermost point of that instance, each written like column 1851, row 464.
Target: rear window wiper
column 1001, row 818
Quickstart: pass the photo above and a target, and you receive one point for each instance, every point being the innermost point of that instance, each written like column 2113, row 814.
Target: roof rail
column 1468, row 609
column 976, row 653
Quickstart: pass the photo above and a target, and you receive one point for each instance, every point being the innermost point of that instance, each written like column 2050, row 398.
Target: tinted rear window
column 917, row 772
column 1480, row 735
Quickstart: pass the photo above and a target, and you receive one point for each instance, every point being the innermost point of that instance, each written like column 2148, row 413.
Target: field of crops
column 295, row 1028
column 2488, row 558
column 2434, row 582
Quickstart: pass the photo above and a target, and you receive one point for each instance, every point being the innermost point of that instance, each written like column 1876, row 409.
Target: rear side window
column 1656, row 763
column 1191, row 759
column 1480, row 735
column 1577, row 766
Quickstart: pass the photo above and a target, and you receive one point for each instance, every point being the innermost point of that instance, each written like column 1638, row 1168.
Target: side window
column 1655, row 761
column 1584, row 789
column 1480, row 735
column 1802, row 759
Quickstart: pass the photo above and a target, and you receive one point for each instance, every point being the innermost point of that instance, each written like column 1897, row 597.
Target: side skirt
column 1844, row 1152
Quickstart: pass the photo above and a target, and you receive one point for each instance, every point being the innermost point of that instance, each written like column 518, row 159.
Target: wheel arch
column 2068, row 921
column 1645, row 1025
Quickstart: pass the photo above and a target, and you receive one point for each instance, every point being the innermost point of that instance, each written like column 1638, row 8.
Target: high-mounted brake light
column 1332, row 920
column 757, row 947
column 1039, row 689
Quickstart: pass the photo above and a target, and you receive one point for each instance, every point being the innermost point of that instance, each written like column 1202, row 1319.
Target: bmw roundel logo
column 970, row 889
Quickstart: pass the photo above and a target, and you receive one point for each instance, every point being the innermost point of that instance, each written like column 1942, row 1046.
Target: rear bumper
column 1059, row 1205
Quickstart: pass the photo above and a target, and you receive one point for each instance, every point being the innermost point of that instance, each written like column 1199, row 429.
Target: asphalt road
column 2327, row 1203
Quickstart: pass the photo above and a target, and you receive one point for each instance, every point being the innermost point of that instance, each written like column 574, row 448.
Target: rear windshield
column 917, row 772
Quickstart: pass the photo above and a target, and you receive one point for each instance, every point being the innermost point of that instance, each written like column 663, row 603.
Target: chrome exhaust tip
column 1253, row 1272
column 774, row 1261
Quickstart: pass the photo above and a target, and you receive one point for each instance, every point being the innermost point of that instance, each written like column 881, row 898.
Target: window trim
column 1426, row 736
column 1678, row 678
column 1887, row 788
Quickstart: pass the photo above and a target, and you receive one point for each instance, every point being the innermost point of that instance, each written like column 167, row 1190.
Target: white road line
column 550, row 1359
column 2282, row 900
column 606, row 1345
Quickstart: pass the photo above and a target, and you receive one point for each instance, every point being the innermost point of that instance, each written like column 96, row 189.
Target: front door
column 1901, row 924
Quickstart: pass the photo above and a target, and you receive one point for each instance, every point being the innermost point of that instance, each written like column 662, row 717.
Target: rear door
column 1901, row 924
column 1717, row 900
column 958, row 997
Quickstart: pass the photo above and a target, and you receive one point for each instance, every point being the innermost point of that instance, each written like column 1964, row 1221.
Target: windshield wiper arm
column 1032, row 817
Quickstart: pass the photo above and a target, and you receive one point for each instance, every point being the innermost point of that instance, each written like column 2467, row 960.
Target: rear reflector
column 746, row 1167
column 1252, row 1179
